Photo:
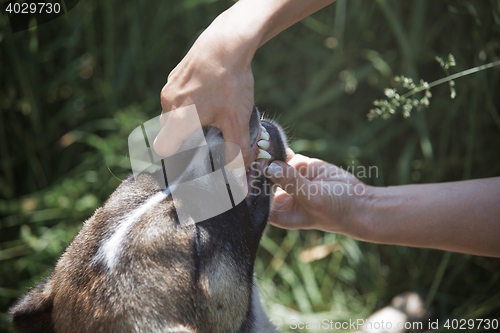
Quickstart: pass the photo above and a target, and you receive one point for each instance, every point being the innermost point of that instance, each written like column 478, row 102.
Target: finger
column 282, row 201
column 300, row 163
column 177, row 125
column 285, row 214
column 289, row 154
column 239, row 134
column 290, row 180
column 311, row 168
column 308, row 167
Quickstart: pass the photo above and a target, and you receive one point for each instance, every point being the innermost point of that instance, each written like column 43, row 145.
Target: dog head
column 135, row 268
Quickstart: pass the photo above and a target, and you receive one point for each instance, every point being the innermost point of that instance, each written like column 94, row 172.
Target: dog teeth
column 264, row 135
column 264, row 154
column 264, row 144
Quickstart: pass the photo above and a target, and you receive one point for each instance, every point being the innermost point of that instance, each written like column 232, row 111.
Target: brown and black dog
column 134, row 268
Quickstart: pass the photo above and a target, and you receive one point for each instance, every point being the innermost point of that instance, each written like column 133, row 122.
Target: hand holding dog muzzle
column 216, row 77
column 456, row 216
column 314, row 195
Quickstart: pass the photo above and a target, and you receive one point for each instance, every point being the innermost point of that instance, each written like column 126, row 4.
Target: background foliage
column 72, row 90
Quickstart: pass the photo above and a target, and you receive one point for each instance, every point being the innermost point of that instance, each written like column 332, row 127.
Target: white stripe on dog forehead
column 110, row 250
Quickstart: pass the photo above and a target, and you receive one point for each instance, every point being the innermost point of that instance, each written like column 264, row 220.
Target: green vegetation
column 71, row 91
column 386, row 107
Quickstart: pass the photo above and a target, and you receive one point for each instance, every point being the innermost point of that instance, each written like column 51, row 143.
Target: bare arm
column 216, row 76
column 261, row 20
column 460, row 216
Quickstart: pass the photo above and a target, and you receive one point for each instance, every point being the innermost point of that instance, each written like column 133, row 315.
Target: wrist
column 351, row 216
column 235, row 37
column 252, row 20
column 362, row 224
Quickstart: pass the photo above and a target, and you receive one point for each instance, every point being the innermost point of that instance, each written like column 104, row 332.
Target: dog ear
column 33, row 312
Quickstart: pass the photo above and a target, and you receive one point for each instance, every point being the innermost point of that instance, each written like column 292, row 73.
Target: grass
column 72, row 89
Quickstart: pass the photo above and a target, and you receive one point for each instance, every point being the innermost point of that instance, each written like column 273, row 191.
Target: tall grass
column 72, row 90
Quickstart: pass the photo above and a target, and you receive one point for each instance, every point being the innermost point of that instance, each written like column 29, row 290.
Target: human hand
column 215, row 76
column 314, row 195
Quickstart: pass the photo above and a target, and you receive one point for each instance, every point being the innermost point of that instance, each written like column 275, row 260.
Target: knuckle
column 165, row 94
column 171, row 75
column 290, row 178
column 239, row 120
column 291, row 183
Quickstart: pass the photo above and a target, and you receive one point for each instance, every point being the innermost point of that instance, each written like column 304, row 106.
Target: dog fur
column 134, row 268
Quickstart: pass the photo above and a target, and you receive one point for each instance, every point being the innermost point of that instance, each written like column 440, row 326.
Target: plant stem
column 452, row 77
column 445, row 259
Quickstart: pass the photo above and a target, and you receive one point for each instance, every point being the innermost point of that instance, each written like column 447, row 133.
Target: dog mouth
column 268, row 148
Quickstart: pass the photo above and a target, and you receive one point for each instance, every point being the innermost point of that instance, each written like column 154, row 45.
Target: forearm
column 265, row 19
column 255, row 22
column 459, row 216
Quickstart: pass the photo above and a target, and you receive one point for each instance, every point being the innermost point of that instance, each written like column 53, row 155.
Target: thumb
column 176, row 126
column 290, row 180
column 241, row 137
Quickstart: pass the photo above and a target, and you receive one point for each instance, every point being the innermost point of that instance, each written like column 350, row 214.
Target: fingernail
column 274, row 170
column 264, row 154
column 264, row 135
column 264, row 144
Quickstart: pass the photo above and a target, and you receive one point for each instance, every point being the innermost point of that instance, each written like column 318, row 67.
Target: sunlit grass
column 74, row 88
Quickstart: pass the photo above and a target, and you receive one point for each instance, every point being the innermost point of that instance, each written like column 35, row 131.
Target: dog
column 134, row 268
